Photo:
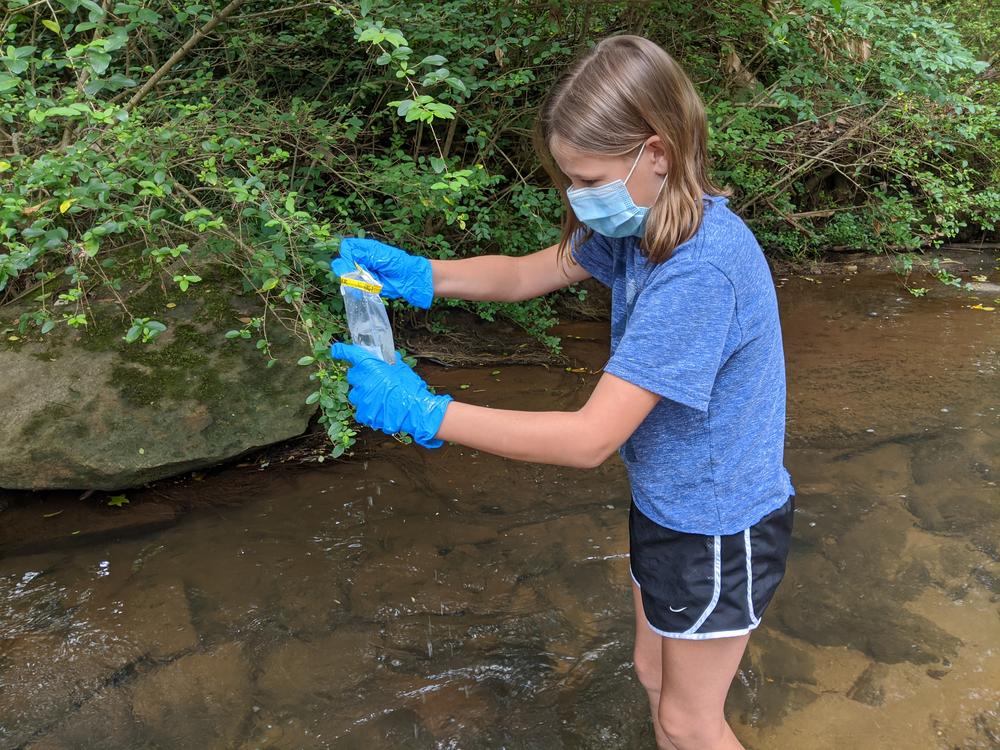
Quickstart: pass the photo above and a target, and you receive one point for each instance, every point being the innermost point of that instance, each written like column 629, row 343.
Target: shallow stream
column 450, row 599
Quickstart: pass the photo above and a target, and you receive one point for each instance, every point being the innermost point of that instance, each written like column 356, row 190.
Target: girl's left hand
column 391, row 398
column 400, row 273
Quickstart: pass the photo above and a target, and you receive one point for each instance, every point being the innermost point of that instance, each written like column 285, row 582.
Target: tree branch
column 181, row 53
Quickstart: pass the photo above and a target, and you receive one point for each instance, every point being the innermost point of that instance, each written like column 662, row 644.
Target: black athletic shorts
column 696, row 587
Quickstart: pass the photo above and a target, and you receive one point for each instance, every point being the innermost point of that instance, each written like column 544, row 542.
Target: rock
column 984, row 287
column 155, row 617
column 85, row 410
column 819, row 604
column 199, row 700
column 987, row 726
column 299, row 675
column 776, row 677
column 310, row 605
column 105, row 721
column 780, row 660
column 43, row 677
column 869, row 688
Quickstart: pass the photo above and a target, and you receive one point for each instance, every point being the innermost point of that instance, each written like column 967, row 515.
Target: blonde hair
column 611, row 100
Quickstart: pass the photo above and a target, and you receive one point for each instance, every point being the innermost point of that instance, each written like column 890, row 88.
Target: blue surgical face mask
column 609, row 209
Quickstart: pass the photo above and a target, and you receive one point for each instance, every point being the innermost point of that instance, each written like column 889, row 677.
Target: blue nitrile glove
column 401, row 274
column 391, row 398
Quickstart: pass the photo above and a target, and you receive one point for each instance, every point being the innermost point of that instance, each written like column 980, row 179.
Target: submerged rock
column 45, row 676
column 869, row 688
column 86, row 410
column 104, row 721
column 200, row 700
column 303, row 675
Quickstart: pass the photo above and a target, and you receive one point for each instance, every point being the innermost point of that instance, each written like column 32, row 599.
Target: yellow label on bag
column 362, row 285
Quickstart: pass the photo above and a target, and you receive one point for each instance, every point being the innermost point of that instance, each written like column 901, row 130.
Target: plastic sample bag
column 366, row 316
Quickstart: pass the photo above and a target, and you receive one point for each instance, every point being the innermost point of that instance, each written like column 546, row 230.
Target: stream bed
column 451, row 599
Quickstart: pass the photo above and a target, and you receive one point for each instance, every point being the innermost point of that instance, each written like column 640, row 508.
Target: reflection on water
column 449, row 599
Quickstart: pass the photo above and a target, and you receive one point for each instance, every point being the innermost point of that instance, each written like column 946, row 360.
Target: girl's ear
column 657, row 150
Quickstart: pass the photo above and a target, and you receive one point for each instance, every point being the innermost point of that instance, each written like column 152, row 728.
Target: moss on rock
column 94, row 411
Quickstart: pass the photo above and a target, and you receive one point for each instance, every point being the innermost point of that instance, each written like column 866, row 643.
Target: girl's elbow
column 595, row 454
column 591, row 462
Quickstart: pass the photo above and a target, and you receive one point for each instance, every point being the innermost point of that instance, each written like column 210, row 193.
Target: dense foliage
column 152, row 140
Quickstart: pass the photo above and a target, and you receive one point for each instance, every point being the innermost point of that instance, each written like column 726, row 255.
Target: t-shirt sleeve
column 675, row 336
column 595, row 255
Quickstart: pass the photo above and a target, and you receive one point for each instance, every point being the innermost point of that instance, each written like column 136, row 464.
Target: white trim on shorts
column 700, row 636
column 689, row 634
column 754, row 620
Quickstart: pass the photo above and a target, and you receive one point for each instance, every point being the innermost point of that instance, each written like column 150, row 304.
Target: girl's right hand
column 391, row 398
column 401, row 274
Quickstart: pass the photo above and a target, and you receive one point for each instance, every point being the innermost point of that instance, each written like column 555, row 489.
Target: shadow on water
column 450, row 599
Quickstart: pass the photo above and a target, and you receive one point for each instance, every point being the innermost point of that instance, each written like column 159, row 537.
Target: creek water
column 451, row 599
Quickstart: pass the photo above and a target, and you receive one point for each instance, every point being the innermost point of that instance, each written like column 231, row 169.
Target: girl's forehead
column 567, row 155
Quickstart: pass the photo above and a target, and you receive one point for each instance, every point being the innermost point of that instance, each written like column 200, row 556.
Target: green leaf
column 133, row 334
column 457, row 84
column 62, row 112
column 434, row 60
column 394, row 37
column 312, row 398
column 306, row 360
column 99, row 61
column 52, row 26
column 442, row 110
column 118, row 501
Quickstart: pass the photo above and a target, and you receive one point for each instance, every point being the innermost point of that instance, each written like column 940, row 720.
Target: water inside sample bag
column 366, row 315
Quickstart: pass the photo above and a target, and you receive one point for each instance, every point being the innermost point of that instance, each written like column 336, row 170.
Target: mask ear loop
column 635, row 163
column 660, row 190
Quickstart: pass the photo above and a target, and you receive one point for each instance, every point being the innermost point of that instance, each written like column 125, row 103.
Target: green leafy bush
column 178, row 143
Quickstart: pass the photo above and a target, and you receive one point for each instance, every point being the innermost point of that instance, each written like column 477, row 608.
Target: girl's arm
column 502, row 278
column 582, row 439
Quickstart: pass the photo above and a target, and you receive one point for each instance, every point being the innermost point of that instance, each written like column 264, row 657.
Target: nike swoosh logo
column 677, row 610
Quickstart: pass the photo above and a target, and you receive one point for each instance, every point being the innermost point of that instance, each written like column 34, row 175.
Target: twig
column 80, row 84
column 812, row 159
column 181, row 53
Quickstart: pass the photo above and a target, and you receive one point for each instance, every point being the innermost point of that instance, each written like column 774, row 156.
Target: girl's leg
column 648, row 661
column 696, row 676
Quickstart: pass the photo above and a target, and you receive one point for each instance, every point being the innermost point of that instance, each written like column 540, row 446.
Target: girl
column 693, row 395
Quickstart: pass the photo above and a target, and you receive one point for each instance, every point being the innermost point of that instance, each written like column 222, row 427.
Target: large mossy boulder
column 86, row 410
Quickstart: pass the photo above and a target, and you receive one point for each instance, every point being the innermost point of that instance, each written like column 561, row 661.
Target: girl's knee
column 687, row 729
column 648, row 668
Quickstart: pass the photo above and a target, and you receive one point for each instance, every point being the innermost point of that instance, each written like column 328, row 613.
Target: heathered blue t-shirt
column 701, row 330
